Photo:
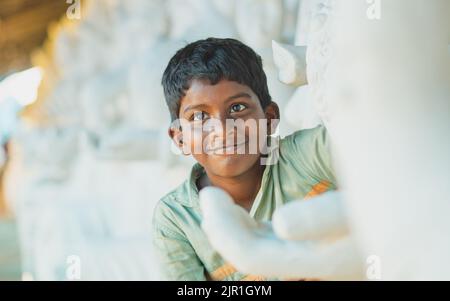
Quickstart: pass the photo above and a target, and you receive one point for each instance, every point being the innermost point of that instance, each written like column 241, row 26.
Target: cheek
column 193, row 139
column 257, row 135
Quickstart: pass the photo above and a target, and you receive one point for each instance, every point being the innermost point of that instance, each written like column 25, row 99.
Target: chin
column 232, row 165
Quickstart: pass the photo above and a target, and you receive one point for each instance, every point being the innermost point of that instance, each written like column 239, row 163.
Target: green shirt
column 303, row 170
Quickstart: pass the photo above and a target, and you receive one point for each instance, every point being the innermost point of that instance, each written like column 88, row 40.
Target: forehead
column 202, row 92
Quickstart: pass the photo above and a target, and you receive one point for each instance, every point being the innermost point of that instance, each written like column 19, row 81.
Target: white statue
column 259, row 21
column 291, row 63
column 290, row 20
column 300, row 111
column 67, row 172
column 403, row 87
column 306, row 242
column 147, row 106
column 280, row 93
column 191, row 20
column 2, row 158
column 388, row 118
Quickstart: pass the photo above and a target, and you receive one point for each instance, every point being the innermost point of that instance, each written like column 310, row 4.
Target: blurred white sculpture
column 2, row 157
column 122, row 104
column 147, row 106
column 86, row 136
column 300, row 111
column 395, row 88
column 47, row 152
column 388, row 119
column 140, row 22
column 290, row 20
column 280, row 93
column 259, row 20
column 291, row 63
column 307, row 9
column 191, row 20
column 87, row 215
column 226, row 8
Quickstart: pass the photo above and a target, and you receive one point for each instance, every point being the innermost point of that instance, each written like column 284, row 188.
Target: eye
column 198, row 116
column 238, row 108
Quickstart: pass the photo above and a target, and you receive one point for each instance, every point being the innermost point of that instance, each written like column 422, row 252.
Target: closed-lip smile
column 224, row 150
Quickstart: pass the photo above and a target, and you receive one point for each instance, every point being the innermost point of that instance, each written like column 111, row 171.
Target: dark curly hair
column 213, row 59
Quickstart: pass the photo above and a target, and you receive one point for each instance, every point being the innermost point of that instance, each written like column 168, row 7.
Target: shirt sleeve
column 309, row 151
column 177, row 259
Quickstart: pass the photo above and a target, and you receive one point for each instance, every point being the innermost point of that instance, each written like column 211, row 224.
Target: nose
column 218, row 130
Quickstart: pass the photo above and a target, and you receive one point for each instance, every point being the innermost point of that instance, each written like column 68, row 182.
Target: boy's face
column 223, row 150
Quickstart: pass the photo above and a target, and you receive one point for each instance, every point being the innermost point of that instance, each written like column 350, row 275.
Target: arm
column 178, row 259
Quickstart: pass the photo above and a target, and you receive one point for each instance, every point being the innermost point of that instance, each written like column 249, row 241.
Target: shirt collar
column 190, row 187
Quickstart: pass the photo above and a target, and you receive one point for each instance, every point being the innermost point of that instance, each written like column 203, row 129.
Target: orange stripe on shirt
column 318, row 189
column 227, row 270
column 223, row 272
column 253, row 278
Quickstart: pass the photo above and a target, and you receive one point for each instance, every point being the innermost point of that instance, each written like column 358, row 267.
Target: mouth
column 226, row 150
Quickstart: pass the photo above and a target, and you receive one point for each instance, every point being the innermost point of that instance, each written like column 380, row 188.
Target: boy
column 222, row 80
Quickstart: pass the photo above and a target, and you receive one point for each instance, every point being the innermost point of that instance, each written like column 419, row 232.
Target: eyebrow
column 239, row 95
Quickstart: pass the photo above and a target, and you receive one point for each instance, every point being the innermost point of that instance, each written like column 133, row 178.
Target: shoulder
column 306, row 139
column 304, row 144
column 309, row 151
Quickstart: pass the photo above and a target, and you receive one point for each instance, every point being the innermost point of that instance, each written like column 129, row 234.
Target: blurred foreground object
column 308, row 240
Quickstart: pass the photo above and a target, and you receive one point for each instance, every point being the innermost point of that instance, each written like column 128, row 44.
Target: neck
column 242, row 188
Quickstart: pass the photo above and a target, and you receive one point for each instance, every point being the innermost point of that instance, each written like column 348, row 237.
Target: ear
column 176, row 134
column 272, row 113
